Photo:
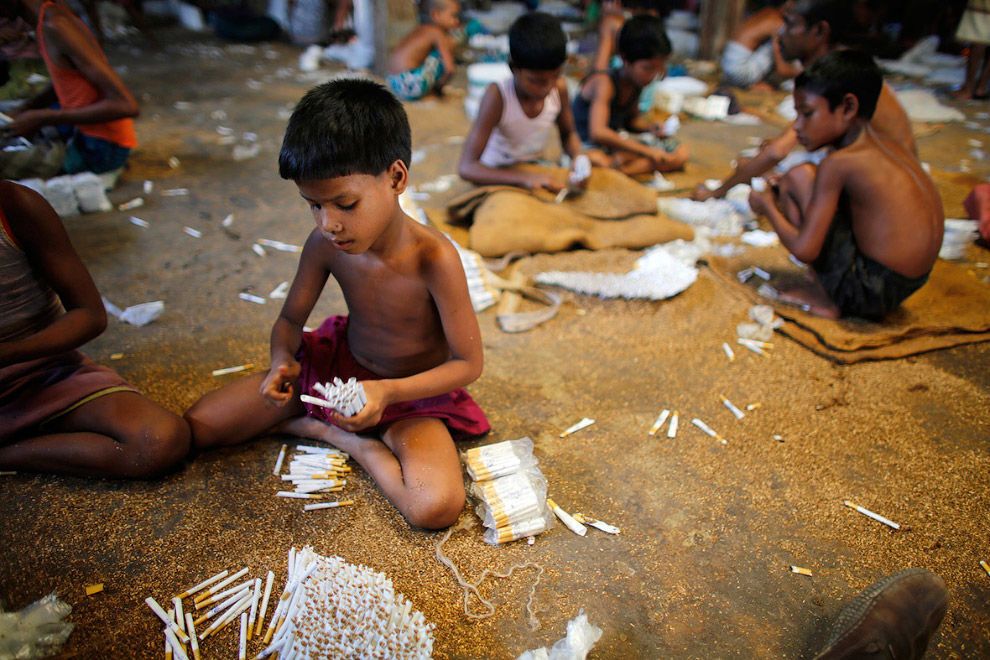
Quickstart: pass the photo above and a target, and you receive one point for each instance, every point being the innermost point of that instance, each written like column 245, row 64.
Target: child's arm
column 311, row 276
column 784, row 68
column 609, row 26
column 598, row 128
column 570, row 141
column 444, row 44
column 805, row 239
column 770, row 154
column 115, row 101
column 446, row 282
column 471, row 168
column 40, row 234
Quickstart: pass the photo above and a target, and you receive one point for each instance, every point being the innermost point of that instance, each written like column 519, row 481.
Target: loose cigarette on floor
column 583, row 424
column 707, row 430
column 279, row 460
column 195, row 233
column 986, row 566
column 250, row 297
column 161, row 614
column 7, row 473
column 232, row 614
column 567, row 519
column 661, row 419
column 174, row 162
column 149, row 186
column 778, row 437
column 597, row 524
column 279, row 245
column 750, row 347
column 178, row 652
column 254, row 607
column 219, row 586
column 94, row 588
column 728, row 351
column 732, row 407
column 753, row 406
column 327, row 505
column 175, row 192
column 264, row 603
column 180, row 618
column 132, row 204
column 672, row 428
column 280, row 292
column 232, row 370
column 242, row 647
column 762, row 274
column 561, row 196
column 227, row 221
column 227, row 593
column 870, row 514
column 801, row 571
column 193, row 642
column 222, row 607
column 139, row 222
column 258, row 250
column 205, row 583
column 116, row 356
column 298, row 496
column 168, row 649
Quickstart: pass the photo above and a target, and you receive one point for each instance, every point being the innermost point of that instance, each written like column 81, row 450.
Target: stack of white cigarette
column 333, row 609
column 511, row 490
column 346, row 398
column 213, row 606
column 315, row 473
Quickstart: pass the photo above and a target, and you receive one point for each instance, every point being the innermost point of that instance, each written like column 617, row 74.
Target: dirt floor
column 700, row 569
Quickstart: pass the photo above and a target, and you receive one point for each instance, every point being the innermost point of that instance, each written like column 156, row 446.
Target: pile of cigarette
column 333, row 609
column 511, row 490
column 315, row 473
column 346, row 398
column 221, row 605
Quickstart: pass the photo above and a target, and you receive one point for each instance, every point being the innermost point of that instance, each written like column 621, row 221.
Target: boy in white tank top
column 516, row 114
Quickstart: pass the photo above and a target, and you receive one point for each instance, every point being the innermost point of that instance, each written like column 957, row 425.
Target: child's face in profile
column 447, row 17
column 351, row 211
column 796, row 39
column 643, row 72
column 534, row 84
column 817, row 125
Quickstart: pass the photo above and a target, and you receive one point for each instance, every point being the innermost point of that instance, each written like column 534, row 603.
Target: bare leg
column 236, row 413
column 977, row 54
column 981, row 84
column 793, row 199
column 118, row 435
column 415, row 465
column 631, row 164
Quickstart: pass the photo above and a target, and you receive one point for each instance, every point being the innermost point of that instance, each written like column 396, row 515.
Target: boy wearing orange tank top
column 91, row 98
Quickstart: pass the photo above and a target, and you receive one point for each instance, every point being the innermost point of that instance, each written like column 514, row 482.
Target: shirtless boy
column 754, row 51
column 411, row 337
column 423, row 61
column 868, row 220
column 812, row 29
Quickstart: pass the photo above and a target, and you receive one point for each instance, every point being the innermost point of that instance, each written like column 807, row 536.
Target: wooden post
column 719, row 19
column 381, row 8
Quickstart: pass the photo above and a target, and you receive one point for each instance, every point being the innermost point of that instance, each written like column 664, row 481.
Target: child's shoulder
column 431, row 246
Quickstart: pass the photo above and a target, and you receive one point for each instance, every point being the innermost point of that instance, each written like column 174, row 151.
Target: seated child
column 608, row 101
column 812, row 29
column 60, row 411
column 93, row 104
column 423, row 61
column 614, row 16
column 411, row 337
column 515, row 115
column 753, row 53
column 868, row 220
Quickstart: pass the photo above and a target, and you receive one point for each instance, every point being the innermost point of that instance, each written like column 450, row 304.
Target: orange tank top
column 75, row 91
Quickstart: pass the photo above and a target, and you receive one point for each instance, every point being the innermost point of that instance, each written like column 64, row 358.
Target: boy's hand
column 27, row 123
column 547, row 181
column 702, row 193
column 277, row 386
column 375, row 394
column 760, row 201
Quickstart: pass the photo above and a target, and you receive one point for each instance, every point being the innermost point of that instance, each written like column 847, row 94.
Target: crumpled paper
column 141, row 314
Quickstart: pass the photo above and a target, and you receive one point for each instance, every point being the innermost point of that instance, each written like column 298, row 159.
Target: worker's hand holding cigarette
column 376, row 399
column 278, row 384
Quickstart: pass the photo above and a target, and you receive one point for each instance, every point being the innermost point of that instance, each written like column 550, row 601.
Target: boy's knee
column 156, row 446
column 436, row 511
column 799, row 176
column 203, row 435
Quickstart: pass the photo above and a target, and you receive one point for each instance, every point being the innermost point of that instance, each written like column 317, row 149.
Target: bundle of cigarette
column 314, row 473
column 511, row 490
column 333, row 609
column 499, row 459
column 346, row 398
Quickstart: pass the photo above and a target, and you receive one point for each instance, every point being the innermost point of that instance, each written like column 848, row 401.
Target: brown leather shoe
column 893, row 618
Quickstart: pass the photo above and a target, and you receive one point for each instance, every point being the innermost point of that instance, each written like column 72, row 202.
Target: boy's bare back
column 896, row 212
column 415, row 46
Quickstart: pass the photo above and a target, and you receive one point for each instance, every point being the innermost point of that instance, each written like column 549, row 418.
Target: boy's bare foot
column 811, row 298
column 313, row 429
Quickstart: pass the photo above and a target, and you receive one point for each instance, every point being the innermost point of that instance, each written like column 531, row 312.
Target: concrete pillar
column 718, row 20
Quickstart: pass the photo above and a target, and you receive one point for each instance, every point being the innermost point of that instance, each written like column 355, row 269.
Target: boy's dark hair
column 660, row 7
column 642, row 38
column 537, row 42
column 844, row 72
column 837, row 13
column 345, row 126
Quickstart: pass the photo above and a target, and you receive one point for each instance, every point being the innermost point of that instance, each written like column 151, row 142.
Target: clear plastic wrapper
column 37, row 631
column 520, row 530
column 581, row 638
column 497, row 460
column 512, row 498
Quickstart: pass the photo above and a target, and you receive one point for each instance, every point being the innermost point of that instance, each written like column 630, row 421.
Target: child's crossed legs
column 415, row 463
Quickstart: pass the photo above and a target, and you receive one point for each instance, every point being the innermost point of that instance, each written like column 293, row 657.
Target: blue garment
column 417, row 83
column 85, row 153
